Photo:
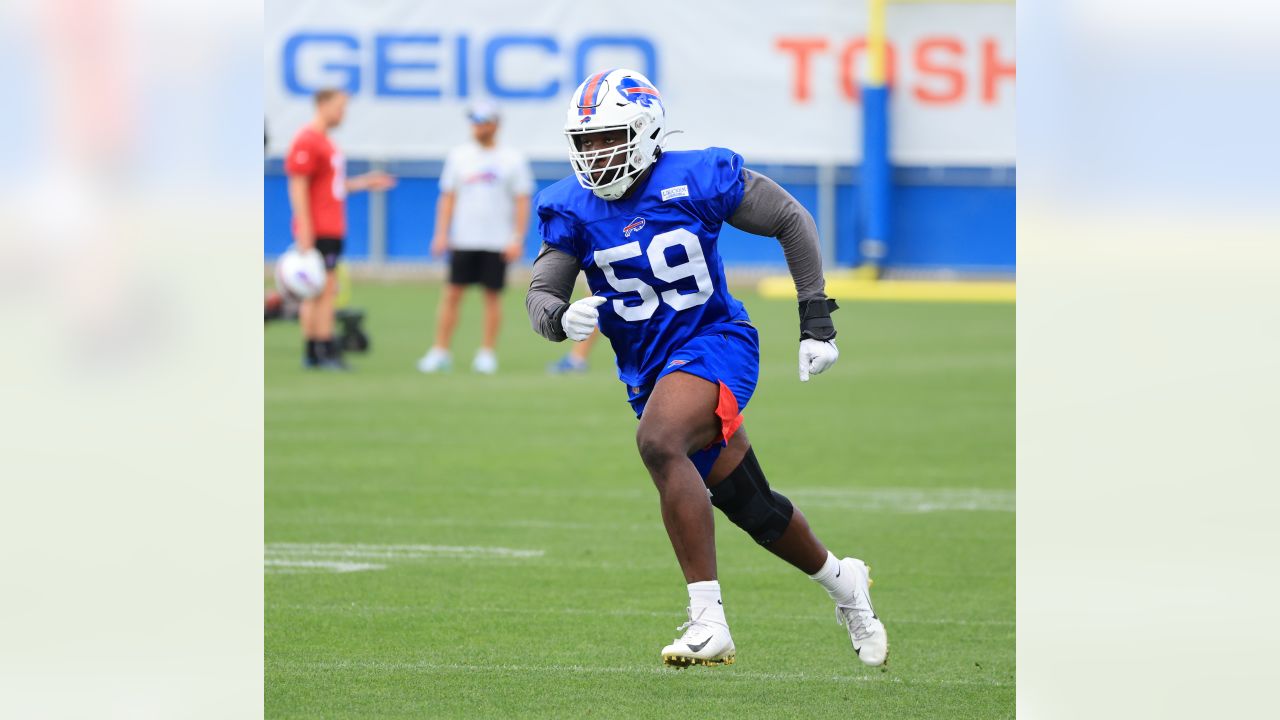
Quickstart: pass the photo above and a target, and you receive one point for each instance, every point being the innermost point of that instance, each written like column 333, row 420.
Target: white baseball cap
column 482, row 111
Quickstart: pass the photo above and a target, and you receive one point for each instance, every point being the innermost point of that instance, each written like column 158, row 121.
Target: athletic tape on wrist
column 815, row 319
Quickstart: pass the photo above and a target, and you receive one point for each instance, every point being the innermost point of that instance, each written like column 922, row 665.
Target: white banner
column 775, row 81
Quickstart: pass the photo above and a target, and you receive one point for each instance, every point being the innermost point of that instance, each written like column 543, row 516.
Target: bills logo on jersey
column 487, row 176
column 633, row 226
column 639, row 92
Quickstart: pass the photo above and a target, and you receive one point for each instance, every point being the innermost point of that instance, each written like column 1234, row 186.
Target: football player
column 318, row 188
column 643, row 224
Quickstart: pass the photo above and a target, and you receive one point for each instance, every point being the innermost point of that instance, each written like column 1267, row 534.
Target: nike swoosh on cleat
column 698, row 648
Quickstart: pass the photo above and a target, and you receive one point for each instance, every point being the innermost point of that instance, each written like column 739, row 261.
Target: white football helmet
column 609, row 101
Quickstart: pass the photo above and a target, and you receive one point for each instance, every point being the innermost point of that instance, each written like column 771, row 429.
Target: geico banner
column 776, row 81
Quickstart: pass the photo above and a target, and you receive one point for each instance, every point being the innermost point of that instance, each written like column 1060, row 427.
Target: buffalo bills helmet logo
column 639, row 92
column 633, row 226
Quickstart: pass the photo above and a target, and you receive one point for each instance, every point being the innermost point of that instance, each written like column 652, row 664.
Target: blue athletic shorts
column 727, row 354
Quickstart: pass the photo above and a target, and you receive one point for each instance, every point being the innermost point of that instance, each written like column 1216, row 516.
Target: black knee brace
column 745, row 498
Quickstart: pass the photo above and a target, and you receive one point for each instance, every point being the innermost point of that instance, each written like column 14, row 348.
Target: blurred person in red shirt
column 318, row 187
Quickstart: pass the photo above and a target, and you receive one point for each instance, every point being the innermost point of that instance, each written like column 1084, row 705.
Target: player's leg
column 461, row 273
column 493, row 278
column 492, row 318
column 311, row 314
column 324, row 307
column 679, row 418
column 447, row 319
column 739, row 489
column 486, row 360
column 306, row 323
column 324, row 314
column 797, row 544
column 322, row 318
column 322, row 350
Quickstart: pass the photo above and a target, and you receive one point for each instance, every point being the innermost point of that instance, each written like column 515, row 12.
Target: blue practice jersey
column 652, row 254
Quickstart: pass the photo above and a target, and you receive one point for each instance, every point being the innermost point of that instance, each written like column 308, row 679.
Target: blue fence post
column 876, row 172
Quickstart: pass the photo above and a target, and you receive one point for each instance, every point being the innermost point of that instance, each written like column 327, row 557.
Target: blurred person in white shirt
column 481, row 219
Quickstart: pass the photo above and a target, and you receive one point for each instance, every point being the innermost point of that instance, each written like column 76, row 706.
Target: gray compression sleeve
column 554, row 274
column 766, row 209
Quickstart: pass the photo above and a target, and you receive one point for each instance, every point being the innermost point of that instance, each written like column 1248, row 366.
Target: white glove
column 816, row 356
column 581, row 317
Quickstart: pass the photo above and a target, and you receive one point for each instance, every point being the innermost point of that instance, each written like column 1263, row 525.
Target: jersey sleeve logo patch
column 675, row 192
column 633, row 226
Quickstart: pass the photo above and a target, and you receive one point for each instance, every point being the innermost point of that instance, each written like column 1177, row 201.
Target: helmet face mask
column 600, row 157
column 613, row 127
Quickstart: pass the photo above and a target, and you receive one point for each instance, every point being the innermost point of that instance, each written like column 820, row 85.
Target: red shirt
column 314, row 156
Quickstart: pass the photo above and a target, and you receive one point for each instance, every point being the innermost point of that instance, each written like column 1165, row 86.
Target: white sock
column 838, row 585
column 704, row 598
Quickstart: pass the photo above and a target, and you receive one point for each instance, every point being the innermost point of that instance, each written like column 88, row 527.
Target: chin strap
column 815, row 319
column 634, row 181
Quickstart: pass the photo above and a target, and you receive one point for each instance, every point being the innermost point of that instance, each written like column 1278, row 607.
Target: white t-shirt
column 485, row 183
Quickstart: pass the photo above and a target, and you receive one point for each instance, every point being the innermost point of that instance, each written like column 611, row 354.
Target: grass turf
column 902, row 454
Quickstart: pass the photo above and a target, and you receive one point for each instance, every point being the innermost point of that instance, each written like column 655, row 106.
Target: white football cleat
column 435, row 360
column 870, row 641
column 704, row 642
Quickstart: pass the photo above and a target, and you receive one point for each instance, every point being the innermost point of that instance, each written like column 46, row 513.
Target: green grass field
column 469, row 546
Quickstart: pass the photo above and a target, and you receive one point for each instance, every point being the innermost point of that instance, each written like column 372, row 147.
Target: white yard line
column 284, row 566
column 852, row 499
column 406, row 552
column 557, row 669
column 285, row 557
column 904, row 500
column 432, row 609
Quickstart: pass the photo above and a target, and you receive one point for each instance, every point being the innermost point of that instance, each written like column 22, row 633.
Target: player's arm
column 444, row 219
column 766, row 209
column 554, row 274
column 516, row 246
column 376, row 180
column 304, row 236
